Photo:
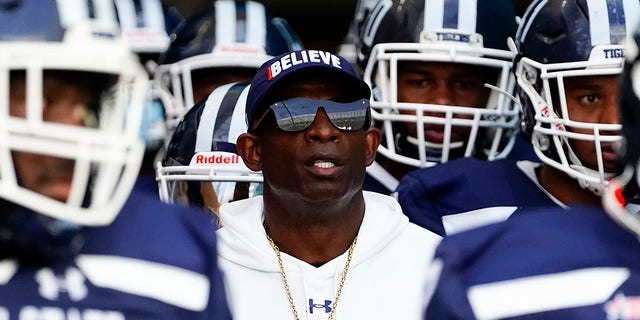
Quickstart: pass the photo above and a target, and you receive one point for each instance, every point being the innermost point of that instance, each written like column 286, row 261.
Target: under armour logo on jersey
column 51, row 285
column 326, row 306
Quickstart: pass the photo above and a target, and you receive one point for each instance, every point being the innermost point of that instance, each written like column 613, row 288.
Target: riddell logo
column 217, row 158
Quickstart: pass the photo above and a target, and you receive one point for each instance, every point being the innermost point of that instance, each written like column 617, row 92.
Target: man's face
column 63, row 102
column 593, row 100
column 320, row 163
column 443, row 84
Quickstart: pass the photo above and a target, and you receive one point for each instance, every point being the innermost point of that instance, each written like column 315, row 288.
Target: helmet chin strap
column 596, row 188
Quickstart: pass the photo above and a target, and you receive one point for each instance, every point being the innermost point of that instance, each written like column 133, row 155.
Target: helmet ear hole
column 541, row 141
column 531, row 76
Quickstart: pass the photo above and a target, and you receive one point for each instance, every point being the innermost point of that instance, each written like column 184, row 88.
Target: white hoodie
column 385, row 280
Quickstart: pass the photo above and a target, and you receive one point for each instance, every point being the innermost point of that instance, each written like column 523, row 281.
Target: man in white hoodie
column 315, row 245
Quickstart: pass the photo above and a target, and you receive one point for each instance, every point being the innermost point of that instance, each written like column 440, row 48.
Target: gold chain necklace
column 286, row 283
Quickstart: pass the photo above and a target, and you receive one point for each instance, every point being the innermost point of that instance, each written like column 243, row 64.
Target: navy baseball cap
column 275, row 71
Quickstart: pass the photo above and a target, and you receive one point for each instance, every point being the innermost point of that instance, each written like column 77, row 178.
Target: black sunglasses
column 297, row 114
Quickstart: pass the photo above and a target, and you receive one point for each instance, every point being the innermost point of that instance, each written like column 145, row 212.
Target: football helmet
column 622, row 199
column 470, row 32
column 201, row 166
column 347, row 48
column 146, row 25
column 37, row 38
column 558, row 40
column 230, row 34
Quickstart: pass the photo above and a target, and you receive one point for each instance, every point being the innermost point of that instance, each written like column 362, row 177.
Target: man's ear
column 249, row 150
column 372, row 138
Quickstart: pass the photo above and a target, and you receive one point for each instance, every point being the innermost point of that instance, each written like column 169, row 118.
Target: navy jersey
column 522, row 150
column 468, row 192
column 154, row 261
column 378, row 179
column 550, row 264
column 147, row 183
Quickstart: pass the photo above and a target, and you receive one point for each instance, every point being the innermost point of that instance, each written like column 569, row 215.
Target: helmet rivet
column 541, row 141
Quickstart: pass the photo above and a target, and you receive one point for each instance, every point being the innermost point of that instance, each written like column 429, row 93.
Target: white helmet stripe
column 72, row 11
column 256, row 24
column 435, row 10
column 599, row 22
column 632, row 15
column 375, row 18
column 127, row 14
column 467, row 15
column 152, row 14
column 225, row 113
column 451, row 15
column 222, row 118
column 612, row 21
column 238, row 124
column 207, row 123
column 225, row 21
column 103, row 10
column 532, row 11
column 607, row 26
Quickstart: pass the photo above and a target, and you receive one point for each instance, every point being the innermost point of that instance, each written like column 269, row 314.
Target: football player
column 580, row 263
column 439, row 71
column 75, row 242
column 567, row 59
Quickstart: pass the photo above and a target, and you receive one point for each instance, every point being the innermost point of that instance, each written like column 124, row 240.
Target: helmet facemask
column 555, row 132
column 101, row 154
column 489, row 127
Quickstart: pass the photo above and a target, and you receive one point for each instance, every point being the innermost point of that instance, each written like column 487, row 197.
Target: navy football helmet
column 471, row 32
column 622, row 198
column 558, row 40
column 230, row 34
column 201, row 166
column 87, row 166
column 347, row 48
